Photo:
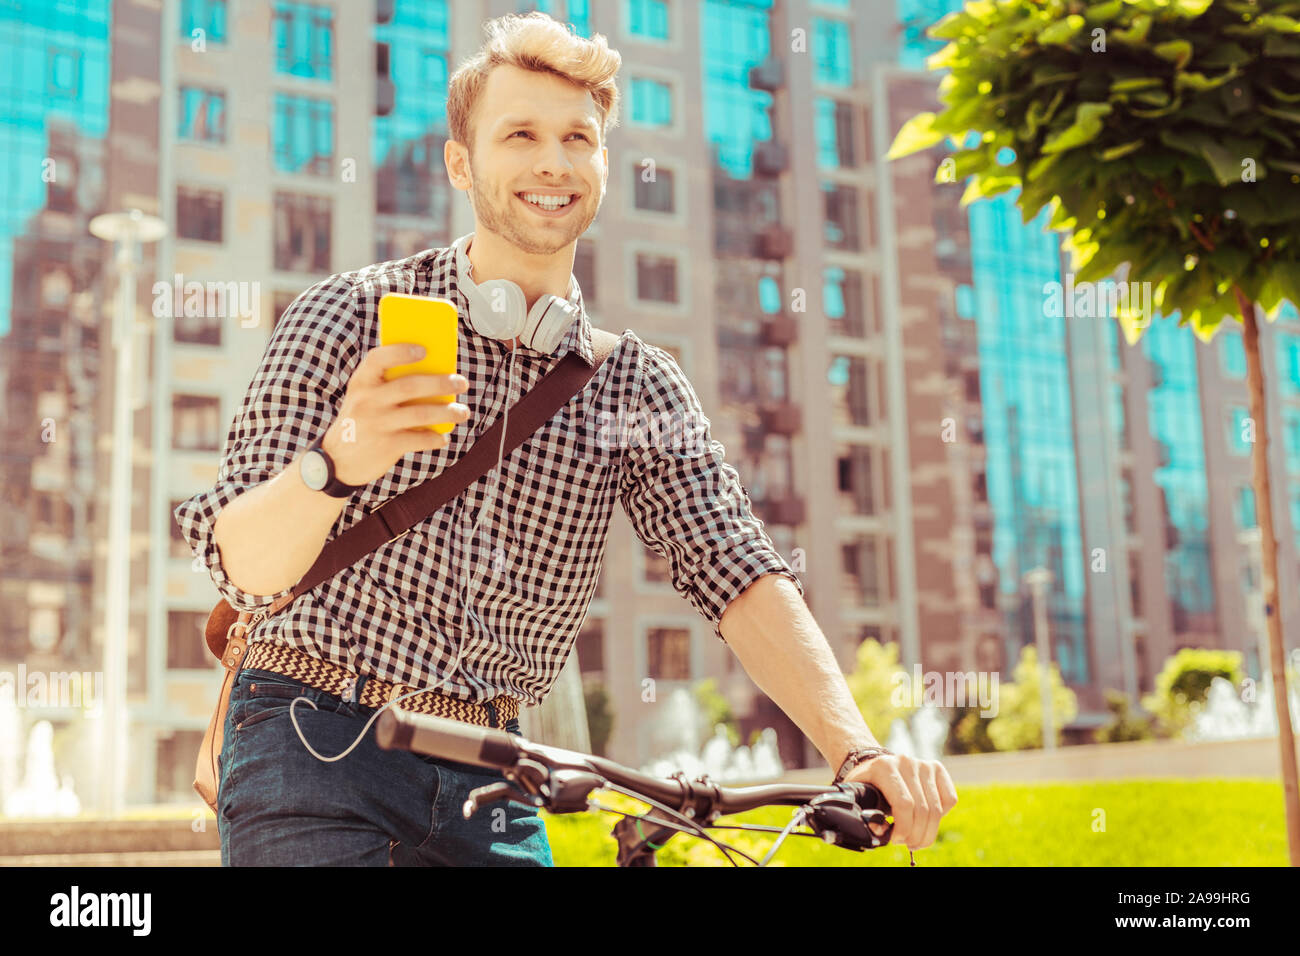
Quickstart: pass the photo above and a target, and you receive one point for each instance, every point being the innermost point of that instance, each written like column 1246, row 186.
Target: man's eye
column 518, row 131
column 583, row 137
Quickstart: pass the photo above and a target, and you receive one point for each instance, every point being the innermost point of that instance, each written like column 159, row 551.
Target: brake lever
column 493, row 792
column 873, row 803
column 841, row 819
column 569, row 791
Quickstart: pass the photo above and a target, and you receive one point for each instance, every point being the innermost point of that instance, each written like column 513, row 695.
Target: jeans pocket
column 433, row 809
column 265, row 698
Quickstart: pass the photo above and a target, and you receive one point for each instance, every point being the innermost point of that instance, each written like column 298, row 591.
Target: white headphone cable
column 496, row 484
column 465, row 606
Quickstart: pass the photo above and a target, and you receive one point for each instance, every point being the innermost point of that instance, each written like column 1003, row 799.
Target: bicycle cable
column 702, row 833
column 796, row 818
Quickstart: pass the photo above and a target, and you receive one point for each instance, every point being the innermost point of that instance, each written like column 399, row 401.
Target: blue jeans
column 281, row 806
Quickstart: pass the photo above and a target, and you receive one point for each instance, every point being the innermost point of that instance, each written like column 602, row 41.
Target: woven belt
column 341, row 682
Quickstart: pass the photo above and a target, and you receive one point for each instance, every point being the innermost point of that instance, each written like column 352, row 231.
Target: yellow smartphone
column 423, row 321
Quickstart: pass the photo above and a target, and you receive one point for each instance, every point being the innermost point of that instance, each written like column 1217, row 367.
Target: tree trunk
column 1268, row 560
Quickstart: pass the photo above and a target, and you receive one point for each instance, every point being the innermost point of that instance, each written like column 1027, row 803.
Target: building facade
column 913, row 424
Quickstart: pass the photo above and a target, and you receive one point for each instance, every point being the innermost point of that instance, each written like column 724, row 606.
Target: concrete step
column 90, row 836
column 141, row 858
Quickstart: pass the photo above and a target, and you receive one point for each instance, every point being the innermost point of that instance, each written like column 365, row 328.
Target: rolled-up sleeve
column 685, row 501
column 290, row 402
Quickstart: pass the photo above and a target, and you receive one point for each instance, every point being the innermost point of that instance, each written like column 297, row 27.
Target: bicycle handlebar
column 483, row 747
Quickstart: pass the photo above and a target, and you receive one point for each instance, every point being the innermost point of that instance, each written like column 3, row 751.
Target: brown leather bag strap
column 398, row 515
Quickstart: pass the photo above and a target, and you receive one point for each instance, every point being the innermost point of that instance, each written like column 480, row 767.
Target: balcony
column 1180, row 618
column 770, row 159
column 385, row 96
column 773, row 242
column 768, row 75
column 779, row 331
column 788, row 509
column 781, row 418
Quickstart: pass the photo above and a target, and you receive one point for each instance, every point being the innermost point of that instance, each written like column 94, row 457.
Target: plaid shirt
column 397, row 614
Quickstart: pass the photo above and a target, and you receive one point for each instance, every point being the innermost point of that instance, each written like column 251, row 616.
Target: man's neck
column 535, row 275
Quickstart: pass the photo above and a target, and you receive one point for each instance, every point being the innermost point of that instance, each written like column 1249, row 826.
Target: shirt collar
column 576, row 339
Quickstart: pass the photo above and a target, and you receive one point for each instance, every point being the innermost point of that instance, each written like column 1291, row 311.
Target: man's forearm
column 771, row 631
column 272, row 534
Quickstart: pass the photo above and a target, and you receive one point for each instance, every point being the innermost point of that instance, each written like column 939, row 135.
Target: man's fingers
column 933, row 800
column 378, row 360
column 420, row 439
column 947, row 792
column 920, row 822
column 419, row 386
column 901, row 804
column 413, row 416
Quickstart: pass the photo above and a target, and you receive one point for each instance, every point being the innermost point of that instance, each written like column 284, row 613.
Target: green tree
column 1124, row 725
column 1183, row 684
column 969, row 732
column 1158, row 134
column 600, row 719
column 881, row 688
column 1019, row 721
column 716, row 709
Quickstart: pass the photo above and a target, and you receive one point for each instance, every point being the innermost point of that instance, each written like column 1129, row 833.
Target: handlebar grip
column 869, row 797
column 446, row 739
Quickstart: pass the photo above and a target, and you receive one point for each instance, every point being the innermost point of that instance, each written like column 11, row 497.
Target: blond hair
column 535, row 42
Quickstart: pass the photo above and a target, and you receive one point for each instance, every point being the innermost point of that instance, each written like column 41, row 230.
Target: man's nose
column 552, row 159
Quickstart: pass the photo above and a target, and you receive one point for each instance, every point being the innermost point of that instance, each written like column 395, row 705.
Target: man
column 435, row 610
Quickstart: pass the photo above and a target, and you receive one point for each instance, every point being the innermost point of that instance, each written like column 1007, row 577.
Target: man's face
column 536, row 133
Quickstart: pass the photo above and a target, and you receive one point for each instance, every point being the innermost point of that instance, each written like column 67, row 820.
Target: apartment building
column 914, row 430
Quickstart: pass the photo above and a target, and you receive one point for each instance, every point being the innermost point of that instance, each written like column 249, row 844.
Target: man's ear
column 456, row 158
column 604, row 177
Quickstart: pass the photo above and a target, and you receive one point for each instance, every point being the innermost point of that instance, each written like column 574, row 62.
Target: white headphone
column 499, row 310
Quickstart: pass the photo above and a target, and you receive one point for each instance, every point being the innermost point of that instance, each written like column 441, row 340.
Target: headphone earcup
column 549, row 322
column 498, row 312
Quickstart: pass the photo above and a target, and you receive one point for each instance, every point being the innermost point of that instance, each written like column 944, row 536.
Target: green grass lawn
column 1130, row 823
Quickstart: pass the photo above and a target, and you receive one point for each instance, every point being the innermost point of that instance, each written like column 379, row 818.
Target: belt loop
column 358, row 686
column 492, row 714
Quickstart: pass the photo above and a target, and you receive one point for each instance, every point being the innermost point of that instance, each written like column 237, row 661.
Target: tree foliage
column 881, row 688
column 1159, row 133
column 1184, row 682
column 1019, row 721
column 968, row 732
column 715, row 709
column 1124, row 725
column 600, row 718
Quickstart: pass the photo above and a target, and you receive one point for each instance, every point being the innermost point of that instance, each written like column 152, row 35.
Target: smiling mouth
column 548, row 203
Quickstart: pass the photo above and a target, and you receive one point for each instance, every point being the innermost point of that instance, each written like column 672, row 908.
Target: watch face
column 315, row 473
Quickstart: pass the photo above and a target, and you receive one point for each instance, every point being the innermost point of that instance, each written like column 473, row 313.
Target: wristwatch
column 318, row 474
column 861, row 755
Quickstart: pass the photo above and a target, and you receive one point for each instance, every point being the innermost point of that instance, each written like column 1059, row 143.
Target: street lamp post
column 1038, row 579
column 128, row 231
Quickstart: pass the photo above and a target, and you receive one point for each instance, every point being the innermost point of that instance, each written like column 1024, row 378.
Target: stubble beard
column 514, row 229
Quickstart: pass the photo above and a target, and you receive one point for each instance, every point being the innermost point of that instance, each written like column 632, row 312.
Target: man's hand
column 374, row 429
column 919, row 792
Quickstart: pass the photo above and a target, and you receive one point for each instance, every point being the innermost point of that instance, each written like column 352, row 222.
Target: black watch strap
column 333, row 487
column 859, row 756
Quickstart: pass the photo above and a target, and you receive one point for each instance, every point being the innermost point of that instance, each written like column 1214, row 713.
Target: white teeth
column 548, row 202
